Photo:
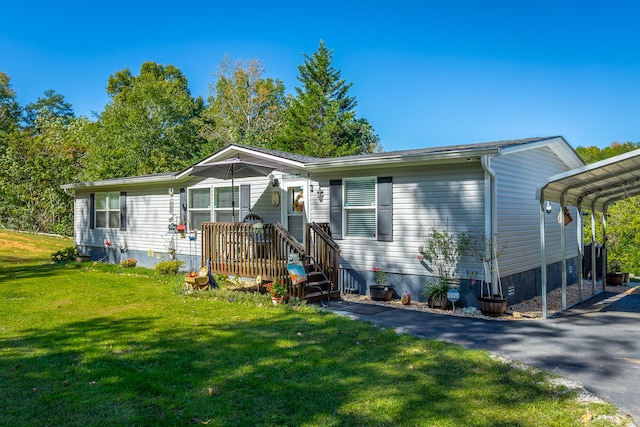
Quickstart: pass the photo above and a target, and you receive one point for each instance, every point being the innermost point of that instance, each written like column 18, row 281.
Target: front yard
column 103, row 345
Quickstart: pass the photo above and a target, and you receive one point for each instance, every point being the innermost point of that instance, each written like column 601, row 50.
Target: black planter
column 492, row 306
column 381, row 292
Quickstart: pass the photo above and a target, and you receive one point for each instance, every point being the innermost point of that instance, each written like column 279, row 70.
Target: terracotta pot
column 492, row 306
column 277, row 300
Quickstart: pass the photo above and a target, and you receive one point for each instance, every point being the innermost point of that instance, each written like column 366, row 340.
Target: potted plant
column 381, row 291
column 491, row 300
column 129, row 262
column 436, row 293
column 614, row 276
column 277, row 290
column 442, row 251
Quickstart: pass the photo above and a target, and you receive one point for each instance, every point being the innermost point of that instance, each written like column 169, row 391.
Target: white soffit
column 595, row 185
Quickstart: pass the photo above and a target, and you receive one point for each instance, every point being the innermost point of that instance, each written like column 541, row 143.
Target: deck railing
column 324, row 250
column 249, row 250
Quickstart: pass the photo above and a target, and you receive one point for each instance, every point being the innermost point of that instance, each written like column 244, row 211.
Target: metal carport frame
column 595, row 186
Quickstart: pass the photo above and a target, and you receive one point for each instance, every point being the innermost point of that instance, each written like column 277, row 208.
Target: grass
column 84, row 344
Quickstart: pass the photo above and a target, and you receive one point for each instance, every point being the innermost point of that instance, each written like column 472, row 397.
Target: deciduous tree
column 148, row 125
column 243, row 108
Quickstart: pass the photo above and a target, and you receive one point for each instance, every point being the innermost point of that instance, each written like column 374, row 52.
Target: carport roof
column 596, row 185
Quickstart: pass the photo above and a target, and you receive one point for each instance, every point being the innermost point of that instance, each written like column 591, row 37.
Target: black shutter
column 385, row 209
column 245, row 201
column 123, row 211
column 335, row 208
column 92, row 211
column 183, row 206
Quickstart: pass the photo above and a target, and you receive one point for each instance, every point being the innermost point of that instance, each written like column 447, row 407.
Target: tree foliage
column 243, row 108
column 148, row 126
column 9, row 107
column 152, row 124
column 623, row 217
column 320, row 118
column 33, row 169
column 52, row 105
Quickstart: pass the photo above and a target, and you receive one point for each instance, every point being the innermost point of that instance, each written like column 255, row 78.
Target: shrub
column 63, row 255
column 168, row 267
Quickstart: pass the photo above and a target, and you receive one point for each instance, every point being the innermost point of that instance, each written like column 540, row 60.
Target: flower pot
column 615, row 279
column 83, row 258
column 493, row 306
column 277, row 300
column 381, row 292
column 440, row 302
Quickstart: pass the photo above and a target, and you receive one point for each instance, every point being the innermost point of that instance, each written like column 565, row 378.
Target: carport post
column 594, row 259
column 580, row 239
column 563, row 251
column 543, row 259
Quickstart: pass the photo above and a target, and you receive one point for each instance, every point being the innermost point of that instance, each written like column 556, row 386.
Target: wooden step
column 314, row 297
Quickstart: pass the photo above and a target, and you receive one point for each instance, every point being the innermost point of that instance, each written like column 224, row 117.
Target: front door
column 295, row 209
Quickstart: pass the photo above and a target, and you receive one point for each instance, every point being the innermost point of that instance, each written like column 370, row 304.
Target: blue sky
column 424, row 73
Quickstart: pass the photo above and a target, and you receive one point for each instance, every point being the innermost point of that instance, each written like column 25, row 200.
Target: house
column 376, row 206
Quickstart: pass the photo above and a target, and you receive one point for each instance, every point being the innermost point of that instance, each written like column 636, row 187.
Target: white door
column 295, row 208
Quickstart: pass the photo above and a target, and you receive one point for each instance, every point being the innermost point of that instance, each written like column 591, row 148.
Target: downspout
column 491, row 212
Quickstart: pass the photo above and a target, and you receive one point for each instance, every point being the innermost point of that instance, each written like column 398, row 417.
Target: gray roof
column 413, row 152
column 316, row 162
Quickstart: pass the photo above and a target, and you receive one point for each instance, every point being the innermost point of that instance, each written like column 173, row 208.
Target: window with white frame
column 360, row 207
column 199, row 207
column 222, row 203
column 107, row 210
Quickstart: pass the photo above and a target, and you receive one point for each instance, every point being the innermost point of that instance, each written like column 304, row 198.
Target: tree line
column 151, row 124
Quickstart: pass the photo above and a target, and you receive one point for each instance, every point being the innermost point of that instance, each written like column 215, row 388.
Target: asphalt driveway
column 595, row 344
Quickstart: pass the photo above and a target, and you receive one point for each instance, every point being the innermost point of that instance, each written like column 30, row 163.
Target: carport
column 594, row 187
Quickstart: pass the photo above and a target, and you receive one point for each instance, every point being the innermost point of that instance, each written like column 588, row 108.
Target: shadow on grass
column 287, row 370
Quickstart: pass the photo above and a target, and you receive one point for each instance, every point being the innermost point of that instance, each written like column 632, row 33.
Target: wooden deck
column 247, row 250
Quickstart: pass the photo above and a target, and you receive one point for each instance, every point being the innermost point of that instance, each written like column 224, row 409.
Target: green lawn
column 103, row 345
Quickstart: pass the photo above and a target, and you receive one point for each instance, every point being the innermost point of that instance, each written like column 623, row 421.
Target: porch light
column 548, row 208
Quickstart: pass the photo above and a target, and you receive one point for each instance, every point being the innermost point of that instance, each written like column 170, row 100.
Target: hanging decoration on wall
column 275, row 198
column 567, row 217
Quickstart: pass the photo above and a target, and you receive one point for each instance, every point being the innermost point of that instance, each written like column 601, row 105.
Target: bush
column 63, row 255
column 168, row 267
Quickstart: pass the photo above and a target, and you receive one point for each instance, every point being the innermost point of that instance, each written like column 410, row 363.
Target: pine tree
column 321, row 119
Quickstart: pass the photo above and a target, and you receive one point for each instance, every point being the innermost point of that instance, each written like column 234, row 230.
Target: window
column 107, row 210
column 360, row 207
column 222, row 203
column 199, row 207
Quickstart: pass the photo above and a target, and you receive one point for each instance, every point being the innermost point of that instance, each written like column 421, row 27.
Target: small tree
column 443, row 250
column 484, row 250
